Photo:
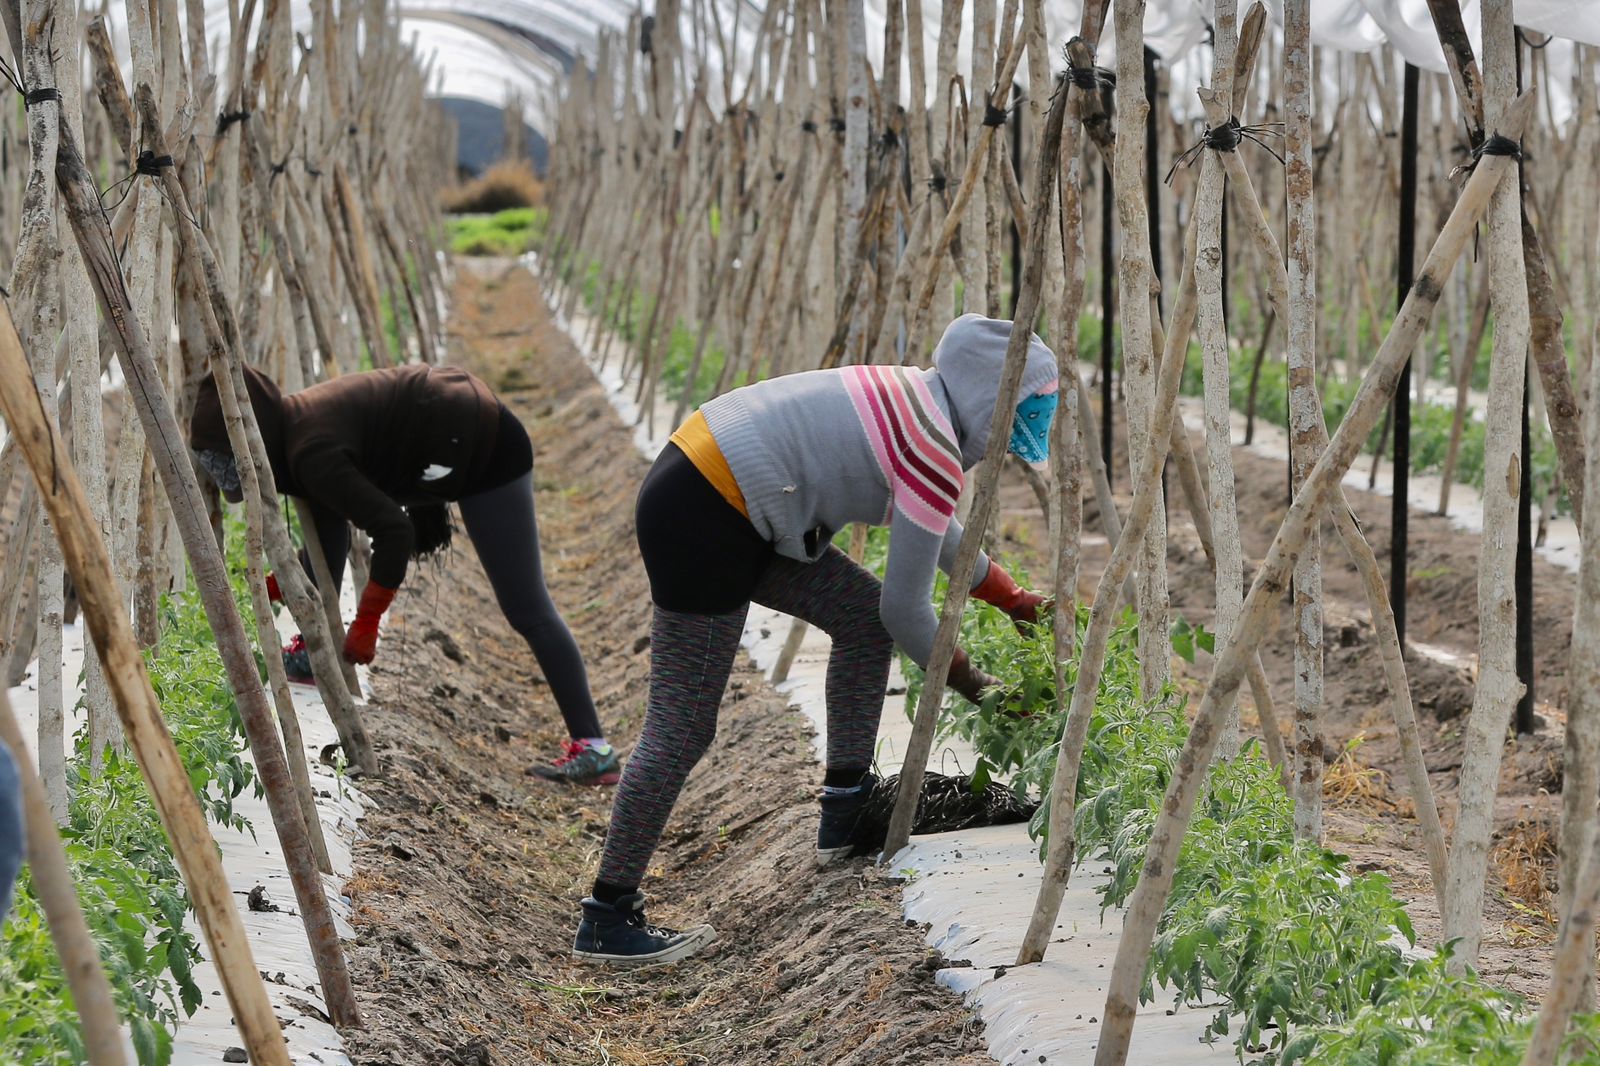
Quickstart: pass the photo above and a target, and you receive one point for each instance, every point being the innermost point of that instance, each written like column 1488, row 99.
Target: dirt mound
column 466, row 889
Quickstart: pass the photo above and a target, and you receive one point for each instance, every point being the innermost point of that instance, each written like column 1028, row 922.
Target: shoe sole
column 610, row 778
column 694, row 940
column 825, row 856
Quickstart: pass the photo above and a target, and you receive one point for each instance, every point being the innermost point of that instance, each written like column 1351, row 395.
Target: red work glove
column 361, row 640
column 968, row 680
column 998, row 588
column 274, row 593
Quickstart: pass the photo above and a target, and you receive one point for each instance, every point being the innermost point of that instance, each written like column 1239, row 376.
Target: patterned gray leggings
column 691, row 656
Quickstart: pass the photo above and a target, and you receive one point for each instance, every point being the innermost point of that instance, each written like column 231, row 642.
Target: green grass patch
column 504, row 233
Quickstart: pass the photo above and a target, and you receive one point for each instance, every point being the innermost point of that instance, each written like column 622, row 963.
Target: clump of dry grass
column 508, row 183
column 1525, row 860
column 1350, row 781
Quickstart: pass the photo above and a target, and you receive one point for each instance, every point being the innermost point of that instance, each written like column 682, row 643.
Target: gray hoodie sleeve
column 906, row 605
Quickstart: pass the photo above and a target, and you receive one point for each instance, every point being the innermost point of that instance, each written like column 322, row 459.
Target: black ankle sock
column 843, row 777
column 606, row 892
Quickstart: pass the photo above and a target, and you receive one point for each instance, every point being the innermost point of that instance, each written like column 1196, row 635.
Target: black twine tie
column 147, row 165
column 1494, row 144
column 1090, row 79
column 229, row 118
column 1227, row 138
column 41, row 96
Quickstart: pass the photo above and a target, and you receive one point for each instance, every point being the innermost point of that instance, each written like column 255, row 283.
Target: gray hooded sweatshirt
column 884, row 445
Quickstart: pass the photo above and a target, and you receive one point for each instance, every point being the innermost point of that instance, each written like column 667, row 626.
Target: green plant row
column 629, row 314
column 128, row 882
column 504, row 233
column 1303, row 960
column 1430, row 423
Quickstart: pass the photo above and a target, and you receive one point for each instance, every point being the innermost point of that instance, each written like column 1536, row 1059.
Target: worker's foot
column 618, row 933
column 297, row 662
column 841, row 809
column 582, row 762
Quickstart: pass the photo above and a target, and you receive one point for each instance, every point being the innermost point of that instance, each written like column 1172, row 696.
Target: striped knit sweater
column 814, row 452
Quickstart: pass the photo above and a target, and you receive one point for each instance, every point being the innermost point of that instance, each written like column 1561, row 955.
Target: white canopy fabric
column 491, row 49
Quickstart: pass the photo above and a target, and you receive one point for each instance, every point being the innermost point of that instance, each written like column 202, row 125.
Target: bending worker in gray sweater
column 742, row 506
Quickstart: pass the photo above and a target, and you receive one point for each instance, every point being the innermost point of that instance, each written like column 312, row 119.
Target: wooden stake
column 1498, row 687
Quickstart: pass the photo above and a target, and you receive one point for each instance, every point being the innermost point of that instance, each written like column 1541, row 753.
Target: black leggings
column 505, row 533
column 705, row 570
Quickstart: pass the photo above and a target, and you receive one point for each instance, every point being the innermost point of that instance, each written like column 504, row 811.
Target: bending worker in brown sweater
column 387, row 450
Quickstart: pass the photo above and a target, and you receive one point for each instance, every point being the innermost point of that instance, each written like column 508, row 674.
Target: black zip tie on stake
column 1227, row 138
column 994, row 116
column 41, row 96
column 808, row 126
column 836, row 125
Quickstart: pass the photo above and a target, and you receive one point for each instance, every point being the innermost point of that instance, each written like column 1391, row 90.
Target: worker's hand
column 274, row 593
column 361, row 640
column 999, row 589
column 968, row 680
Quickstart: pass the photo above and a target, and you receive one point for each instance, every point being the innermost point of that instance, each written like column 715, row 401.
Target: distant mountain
column 482, row 138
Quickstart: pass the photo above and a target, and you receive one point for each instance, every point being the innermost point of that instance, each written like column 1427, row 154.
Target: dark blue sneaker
column 841, row 809
column 579, row 764
column 618, row 933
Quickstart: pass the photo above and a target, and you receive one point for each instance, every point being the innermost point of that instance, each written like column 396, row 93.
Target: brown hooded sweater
column 365, row 446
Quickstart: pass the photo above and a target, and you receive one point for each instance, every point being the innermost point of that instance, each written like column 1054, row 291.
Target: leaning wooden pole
column 144, row 728
column 1161, row 855
column 52, row 884
column 171, row 453
column 321, row 568
column 988, row 484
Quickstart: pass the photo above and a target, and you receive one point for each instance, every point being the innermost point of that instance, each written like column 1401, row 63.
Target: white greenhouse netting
column 492, row 50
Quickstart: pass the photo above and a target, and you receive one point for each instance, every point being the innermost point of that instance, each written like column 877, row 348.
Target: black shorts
column 701, row 554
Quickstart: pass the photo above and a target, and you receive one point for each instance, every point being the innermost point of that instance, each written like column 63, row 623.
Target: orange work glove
column 998, row 588
column 361, row 640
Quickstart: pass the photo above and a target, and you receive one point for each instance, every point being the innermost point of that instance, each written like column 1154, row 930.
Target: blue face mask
column 1030, row 429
